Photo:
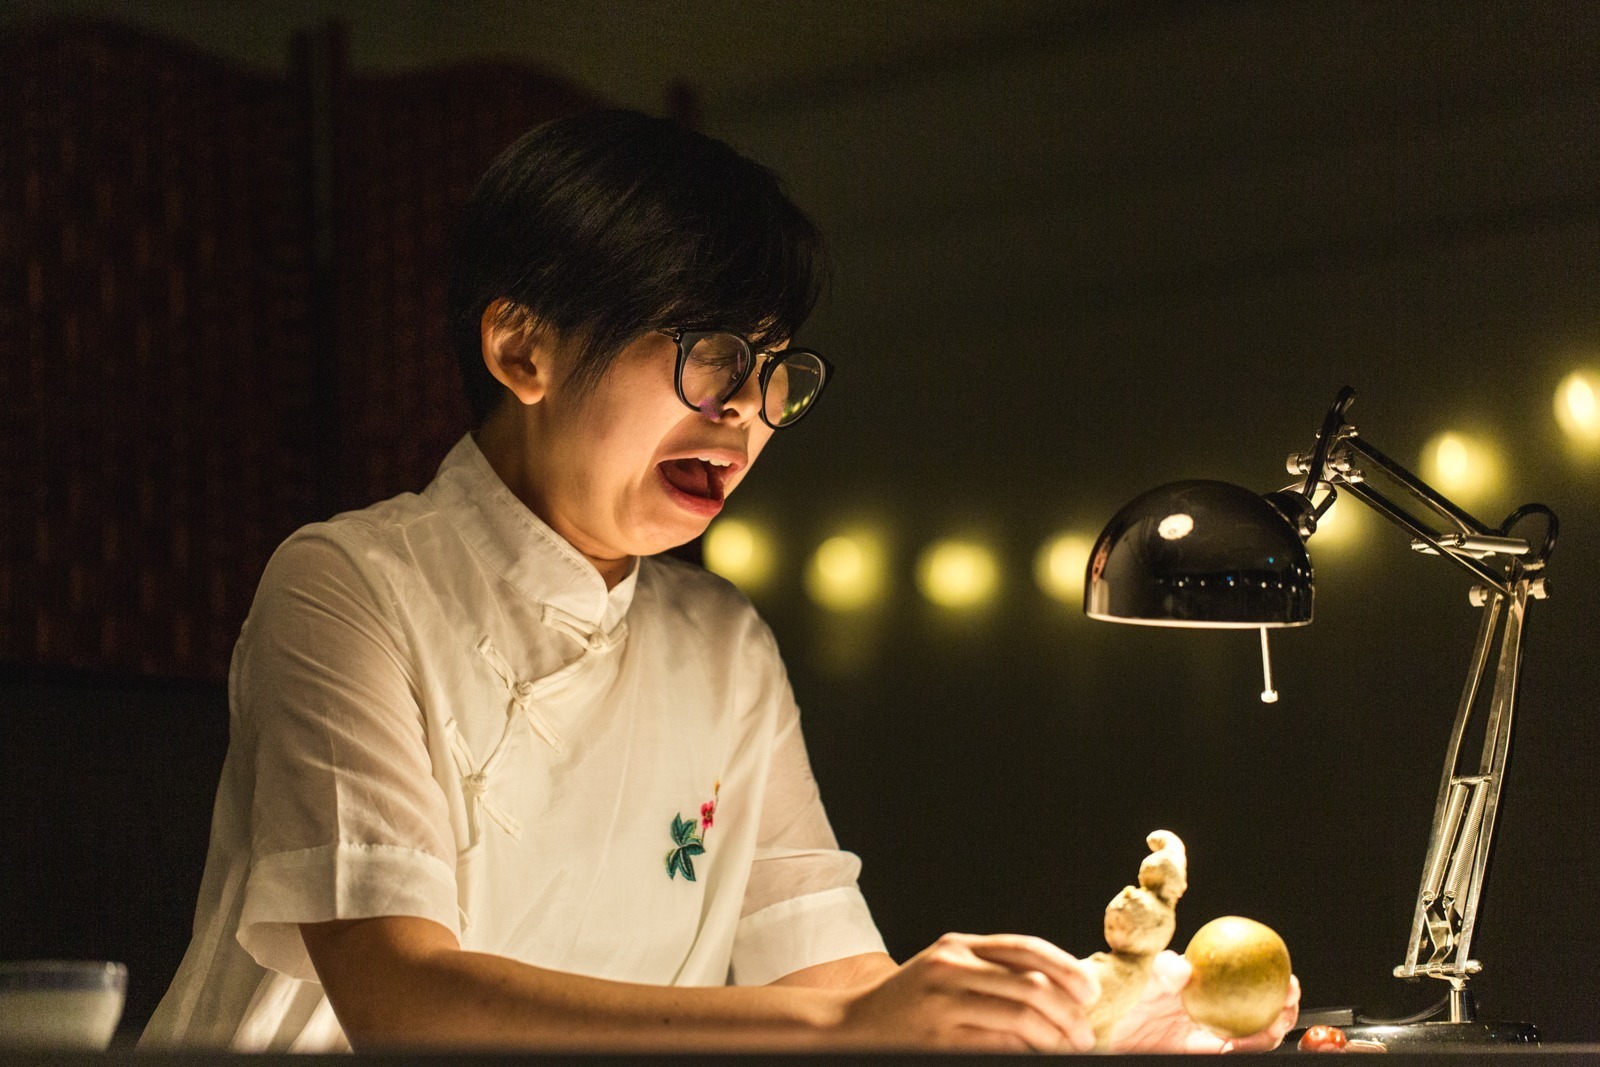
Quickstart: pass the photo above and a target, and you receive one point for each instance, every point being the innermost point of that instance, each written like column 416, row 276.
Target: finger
column 1272, row 1036
column 1290, row 1013
column 1038, row 992
column 1171, row 971
column 952, row 968
column 1062, row 998
column 1024, row 953
column 1265, row 1041
column 976, row 1039
column 1005, row 1015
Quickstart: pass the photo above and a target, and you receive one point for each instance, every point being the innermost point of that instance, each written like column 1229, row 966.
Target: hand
column 1158, row 1023
column 1005, row 993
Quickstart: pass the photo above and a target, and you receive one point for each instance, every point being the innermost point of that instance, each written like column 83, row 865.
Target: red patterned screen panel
column 164, row 369
column 153, row 331
column 411, row 148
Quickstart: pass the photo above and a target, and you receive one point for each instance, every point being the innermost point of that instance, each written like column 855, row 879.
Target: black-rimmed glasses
column 714, row 365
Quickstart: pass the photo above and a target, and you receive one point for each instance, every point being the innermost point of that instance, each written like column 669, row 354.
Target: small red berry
column 1322, row 1039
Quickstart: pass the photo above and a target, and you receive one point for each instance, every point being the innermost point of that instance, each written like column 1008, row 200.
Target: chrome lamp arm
column 1508, row 571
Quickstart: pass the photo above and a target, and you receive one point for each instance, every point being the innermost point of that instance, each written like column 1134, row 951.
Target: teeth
column 714, row 462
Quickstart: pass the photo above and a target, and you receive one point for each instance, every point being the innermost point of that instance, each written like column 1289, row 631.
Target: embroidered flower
column 688, row 844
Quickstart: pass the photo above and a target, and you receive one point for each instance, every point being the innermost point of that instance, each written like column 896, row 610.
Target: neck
column 506, row 443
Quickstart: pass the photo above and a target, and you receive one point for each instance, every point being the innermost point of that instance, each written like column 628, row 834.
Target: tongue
column 693, row 477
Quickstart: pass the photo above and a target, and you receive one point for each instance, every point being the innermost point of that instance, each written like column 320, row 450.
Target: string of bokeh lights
column 850, row 571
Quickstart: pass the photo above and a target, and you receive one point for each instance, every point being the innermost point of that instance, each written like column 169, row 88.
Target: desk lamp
column 1211, row 554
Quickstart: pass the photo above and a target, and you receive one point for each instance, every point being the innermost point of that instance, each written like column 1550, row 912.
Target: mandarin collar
column 520, row 546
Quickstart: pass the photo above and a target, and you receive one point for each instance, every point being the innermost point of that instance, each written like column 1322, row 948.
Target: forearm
column 438, row 995
column 467, row 998
column 397, row 981
column 869, row 968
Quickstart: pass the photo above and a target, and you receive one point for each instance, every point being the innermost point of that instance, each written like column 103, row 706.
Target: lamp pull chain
column 1269, row 695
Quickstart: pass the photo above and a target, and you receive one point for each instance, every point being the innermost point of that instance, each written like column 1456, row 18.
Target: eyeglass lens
column 794, row 384
column 717, row 364
column 714, row 368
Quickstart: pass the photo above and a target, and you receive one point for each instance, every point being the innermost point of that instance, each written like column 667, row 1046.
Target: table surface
column 1573, row 1054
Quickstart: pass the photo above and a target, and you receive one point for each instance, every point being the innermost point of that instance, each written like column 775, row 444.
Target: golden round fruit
column 1241, row 976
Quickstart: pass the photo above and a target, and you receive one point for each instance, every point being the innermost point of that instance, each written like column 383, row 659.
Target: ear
column 517, row 350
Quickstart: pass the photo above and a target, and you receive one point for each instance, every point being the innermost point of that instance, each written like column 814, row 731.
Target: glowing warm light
column 846, row 572
column 740, row 552
column 1060, row 565
column 957, row 574
column 1339, row 525
column 1329, row 522
column 1460, row 466
column 1176, row 526
column 1578, row 407
column 1450, row 457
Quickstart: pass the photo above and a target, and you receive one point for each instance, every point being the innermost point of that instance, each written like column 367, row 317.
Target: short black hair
column 608, row 224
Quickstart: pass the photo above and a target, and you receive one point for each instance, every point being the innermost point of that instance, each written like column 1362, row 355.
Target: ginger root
column 1140, row 922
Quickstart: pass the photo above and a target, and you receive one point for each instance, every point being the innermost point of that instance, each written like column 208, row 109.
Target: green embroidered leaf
column 686, row 863
column 681, row 831
column 693, row 848
column 673, row 859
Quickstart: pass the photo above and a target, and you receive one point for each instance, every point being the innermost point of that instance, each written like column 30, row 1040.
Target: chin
column 665, row 540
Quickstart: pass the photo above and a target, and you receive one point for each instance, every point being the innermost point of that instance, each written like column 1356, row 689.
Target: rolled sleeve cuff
column 344, row 881
column 802, row 932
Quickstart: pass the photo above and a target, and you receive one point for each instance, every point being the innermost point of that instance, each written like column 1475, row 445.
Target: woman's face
column 625, row 469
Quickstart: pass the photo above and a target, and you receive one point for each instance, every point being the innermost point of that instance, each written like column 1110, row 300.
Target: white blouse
column 439, row 710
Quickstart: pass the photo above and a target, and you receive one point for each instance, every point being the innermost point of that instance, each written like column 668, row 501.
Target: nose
column 743, row 405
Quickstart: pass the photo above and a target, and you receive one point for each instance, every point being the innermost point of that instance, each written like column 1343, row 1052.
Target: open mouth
column 695, row 477
column 698, row 483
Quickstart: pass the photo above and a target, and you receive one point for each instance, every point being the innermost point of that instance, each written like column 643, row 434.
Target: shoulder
column 353, row 539
column 688, row 596
column 689, row 590
column 709, row 629
column 356, row 557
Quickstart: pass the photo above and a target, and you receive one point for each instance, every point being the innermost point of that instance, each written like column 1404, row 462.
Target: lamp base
column 1419, row 1037
column 1444, row 1037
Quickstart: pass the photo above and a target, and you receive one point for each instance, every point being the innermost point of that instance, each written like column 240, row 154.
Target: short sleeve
column 802, row 905
column 346, row 819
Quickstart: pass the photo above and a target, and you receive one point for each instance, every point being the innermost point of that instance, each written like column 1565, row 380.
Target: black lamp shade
column 1200, row 553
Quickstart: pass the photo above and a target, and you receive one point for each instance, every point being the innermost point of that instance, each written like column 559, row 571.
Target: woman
column 497, row 775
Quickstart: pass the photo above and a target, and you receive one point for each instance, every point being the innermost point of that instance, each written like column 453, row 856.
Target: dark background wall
column 1082, row 249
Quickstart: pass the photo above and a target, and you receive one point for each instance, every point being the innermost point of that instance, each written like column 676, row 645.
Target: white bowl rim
column 63, row 975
